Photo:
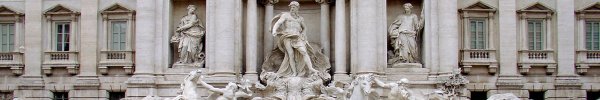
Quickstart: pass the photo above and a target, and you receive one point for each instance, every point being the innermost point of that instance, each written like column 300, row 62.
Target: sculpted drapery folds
column 294, row 55
column 294, row 68
column 189, row 35
column 403, row 35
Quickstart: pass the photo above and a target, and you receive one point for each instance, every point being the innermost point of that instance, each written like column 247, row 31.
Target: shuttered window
column 478, row 31
column 592, row 35
column 118, row 35
column 7, row 35
column 535, row 34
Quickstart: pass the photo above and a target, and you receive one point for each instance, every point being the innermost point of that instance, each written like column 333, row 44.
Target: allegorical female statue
column 189, row 35
column 403, row 33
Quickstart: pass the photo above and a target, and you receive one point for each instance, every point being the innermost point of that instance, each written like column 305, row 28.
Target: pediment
column 536, row 7
column 8, row 11
column 591, row 8
column 479, row 6
column 117, row 8
column 60, row 9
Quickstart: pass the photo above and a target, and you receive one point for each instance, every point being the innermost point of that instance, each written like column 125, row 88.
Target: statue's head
column 294, row 6
column 403, row 82
column 364, row 81
column 191, row 9
column 408, row 7
column 231, row 86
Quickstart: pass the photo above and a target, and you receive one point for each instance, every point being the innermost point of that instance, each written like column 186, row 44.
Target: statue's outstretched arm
column 210, row 87
column 380, row 83
column 277, row 24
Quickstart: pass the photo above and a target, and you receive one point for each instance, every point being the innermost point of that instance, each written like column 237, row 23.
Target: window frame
column 585, row 34
column 110, row 36
column 12, row 37
column 69, row 36
column 472, row 36
column 118, row 12
column 536, row 11
column 542, row 34
column 59, row 14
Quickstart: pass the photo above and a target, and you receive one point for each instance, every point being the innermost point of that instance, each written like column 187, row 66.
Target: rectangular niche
column 311, row 11
column 395, row 8
column 178, row 9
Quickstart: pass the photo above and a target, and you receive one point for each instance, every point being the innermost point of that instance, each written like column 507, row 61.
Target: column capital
column 323, row 1
column 270, row 2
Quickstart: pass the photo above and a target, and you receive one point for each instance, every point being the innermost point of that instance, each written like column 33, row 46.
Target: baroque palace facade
column 132, row 49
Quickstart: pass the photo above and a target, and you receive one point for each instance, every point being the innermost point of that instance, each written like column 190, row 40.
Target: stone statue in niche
column 398, row 91
column 294, row 69
column 188, row 35
column 403, row 35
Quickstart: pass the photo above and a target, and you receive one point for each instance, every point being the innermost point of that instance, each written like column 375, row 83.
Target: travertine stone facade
column 97, row 49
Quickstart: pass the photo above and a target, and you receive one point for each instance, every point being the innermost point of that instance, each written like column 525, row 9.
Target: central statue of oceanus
column 295, row 68
column 403, row 35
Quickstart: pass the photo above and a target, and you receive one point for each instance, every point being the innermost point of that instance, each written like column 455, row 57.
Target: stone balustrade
column 123, row 59
column 12, row 60
column 471, row 57
column 66, row 59
column 587, row 58
column 529, row 58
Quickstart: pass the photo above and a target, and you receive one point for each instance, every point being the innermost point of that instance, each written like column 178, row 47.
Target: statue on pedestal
column 403, row 35
column 294, row 68
column 188, row 35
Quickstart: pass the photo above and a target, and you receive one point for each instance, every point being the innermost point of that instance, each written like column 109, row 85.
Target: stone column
column 88, row 84
column 145, row 35
column 341, row 42
column 509, row 78
column 431, row 38
column 268, row 37
column 368, row 29
column 31, row 86
column 89, row 37
column 251, row 40
column 142, row 82
column 325, row 27
column 567, row 80
column 450, row 39
column 224, row 32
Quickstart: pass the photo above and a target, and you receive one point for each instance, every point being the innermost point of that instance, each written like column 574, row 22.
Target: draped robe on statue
column 279, row 61
column 403, row 37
